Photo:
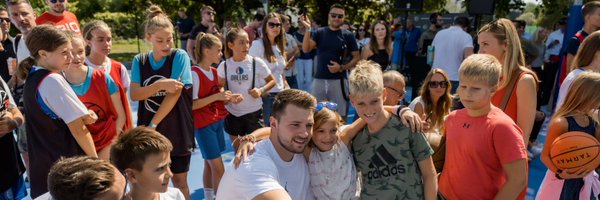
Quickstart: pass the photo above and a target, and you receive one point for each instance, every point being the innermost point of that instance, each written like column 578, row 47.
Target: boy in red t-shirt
column 484, row 147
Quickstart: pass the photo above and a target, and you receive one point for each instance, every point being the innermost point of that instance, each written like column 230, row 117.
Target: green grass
column 124, row 50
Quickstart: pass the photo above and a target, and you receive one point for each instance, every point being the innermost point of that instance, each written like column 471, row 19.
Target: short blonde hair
column 481, row 67
column 366, row 79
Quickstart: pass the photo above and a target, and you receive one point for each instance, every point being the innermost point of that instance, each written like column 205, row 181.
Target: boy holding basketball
column 484, row 147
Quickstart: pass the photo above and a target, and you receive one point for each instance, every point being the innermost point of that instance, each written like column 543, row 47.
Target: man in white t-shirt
column 451, row 47
column 22, row 16
column 277, row 169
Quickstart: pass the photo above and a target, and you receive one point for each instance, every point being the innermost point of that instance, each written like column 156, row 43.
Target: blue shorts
column 16, row 192
column 211, row 140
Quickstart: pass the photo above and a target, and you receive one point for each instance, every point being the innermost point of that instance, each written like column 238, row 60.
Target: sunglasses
column 274, row 25
column 54, row 1
column 326, row 104
column 7, row 20
column 435, row 84
column 400, row 93
column 339, row 16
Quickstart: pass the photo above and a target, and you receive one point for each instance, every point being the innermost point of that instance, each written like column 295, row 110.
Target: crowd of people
column 282, row 94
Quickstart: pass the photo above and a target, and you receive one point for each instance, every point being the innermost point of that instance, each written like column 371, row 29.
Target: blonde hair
column 279, row 40
column 582, row 95
column 156, row 20
column 481, row 68
column 506, row 33
column 440, row 110
column 587, row 51
column 366, row 79
column 204, row 41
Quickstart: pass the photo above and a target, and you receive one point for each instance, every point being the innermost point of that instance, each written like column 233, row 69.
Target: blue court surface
column 537, row 169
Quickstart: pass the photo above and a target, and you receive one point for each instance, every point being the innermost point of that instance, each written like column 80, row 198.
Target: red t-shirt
column 476, row 149
column 66, row 22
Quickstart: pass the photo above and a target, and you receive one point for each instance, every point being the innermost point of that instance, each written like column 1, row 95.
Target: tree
column 503, row 7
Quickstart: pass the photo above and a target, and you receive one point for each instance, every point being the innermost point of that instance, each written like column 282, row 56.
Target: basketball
column 574, row 150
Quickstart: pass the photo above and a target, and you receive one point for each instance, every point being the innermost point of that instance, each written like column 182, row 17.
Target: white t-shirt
column 23, row 51
column 196, row 80
column 290, row 43
column 257, row 50
column 60, row 97
column 414, row 102
column 555, row 50
column 449, row 47
column 265, row 171
column 125, row 80
column 240, row 81
column 172, row 194
column 333, row 173
column 564, row 87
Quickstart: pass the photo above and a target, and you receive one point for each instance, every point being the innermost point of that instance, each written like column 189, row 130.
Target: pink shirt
column 476, row 149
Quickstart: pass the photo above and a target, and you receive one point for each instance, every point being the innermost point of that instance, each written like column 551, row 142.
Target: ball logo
column 239, row 76
column 97, row 109
column 153, row 103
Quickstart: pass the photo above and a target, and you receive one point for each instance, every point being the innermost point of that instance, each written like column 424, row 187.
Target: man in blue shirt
column 411, row 47
column 337, row 52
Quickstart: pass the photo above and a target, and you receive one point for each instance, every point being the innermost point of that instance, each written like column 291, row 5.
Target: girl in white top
column 240, row 74
column 269, row 48
column 586, row 59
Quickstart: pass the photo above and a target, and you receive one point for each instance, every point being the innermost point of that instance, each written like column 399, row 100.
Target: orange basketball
column 574, row 150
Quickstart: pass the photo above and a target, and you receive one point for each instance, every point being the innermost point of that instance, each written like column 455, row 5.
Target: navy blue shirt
column 331, row 46
column 185, row 26
column 574, row 43
column 304, row 56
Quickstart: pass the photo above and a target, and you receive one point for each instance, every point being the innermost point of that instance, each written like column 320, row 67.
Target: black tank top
column 572, row 187
column 48, row 138
column 178, row 125
column 381, row 57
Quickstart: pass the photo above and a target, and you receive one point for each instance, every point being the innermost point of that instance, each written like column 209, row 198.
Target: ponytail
column 156, row 19
column 24, row 67
column 204, row 41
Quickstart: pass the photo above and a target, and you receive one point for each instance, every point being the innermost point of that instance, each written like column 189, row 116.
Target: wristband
column 262, row 90
column 400, row 109
column 245, row 138
column 152, row 125
column 558, row 174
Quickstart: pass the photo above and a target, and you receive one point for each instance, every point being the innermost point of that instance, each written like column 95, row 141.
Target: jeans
column 268, row 106
column 305, row 73
column 292, row 81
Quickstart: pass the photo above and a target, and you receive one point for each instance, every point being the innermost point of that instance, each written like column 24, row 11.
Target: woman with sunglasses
column 271, row 49
column 433, row 105
column 379, row 49
column 362, row 37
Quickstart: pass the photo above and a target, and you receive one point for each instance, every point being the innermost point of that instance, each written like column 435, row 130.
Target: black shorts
column 180, row 164
column 245, row 124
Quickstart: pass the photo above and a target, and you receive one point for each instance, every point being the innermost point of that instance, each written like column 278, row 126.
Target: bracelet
column 262, row 90
column 246, row 138
column 152, row 125
column 400, row 110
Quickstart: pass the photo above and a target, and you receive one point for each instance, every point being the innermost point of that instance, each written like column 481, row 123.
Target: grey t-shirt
column 388, row 161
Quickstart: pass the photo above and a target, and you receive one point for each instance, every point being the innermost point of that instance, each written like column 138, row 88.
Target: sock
column 209, row 194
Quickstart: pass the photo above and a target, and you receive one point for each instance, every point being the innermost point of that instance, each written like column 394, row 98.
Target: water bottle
column 430, row 50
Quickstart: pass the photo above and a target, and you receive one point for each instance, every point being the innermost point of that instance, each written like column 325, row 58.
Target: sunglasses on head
column 339, row 16
column 274, row 25
column 54, row 1
column 326, row 104
column 7, row 20
column 435, row 84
